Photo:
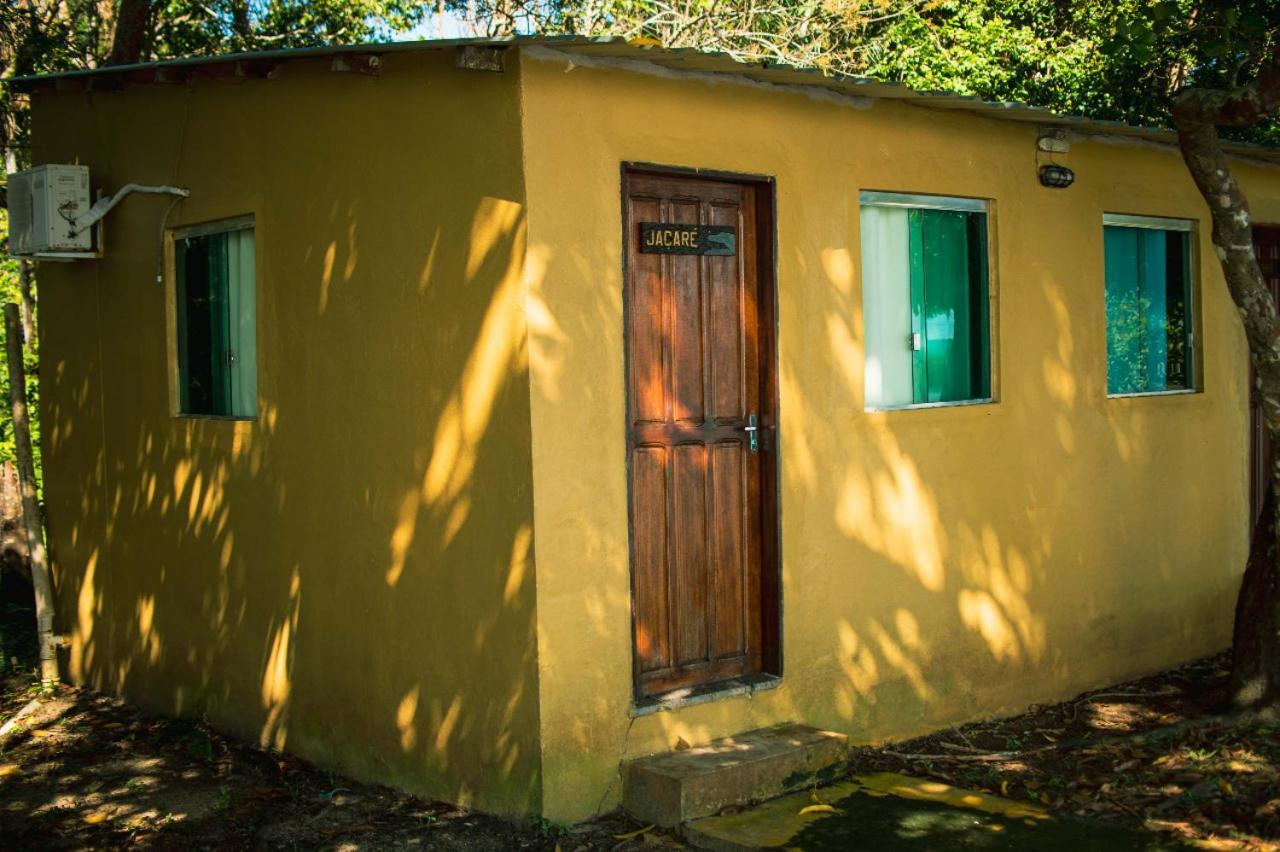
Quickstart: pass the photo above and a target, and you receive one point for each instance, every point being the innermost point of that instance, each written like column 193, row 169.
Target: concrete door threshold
column 671, row 788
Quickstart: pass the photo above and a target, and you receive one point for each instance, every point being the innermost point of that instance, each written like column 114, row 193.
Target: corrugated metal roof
column 678, row 60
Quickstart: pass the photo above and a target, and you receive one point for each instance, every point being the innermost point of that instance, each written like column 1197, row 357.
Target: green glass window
column 217, row 357
column 925, row 300
column 1149, row 316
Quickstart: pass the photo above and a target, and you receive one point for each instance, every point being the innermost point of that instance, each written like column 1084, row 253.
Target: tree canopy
column 1110, row 59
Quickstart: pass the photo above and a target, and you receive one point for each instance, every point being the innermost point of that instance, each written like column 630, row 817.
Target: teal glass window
column 925, row 299
column 1149, row 305
column 216, row 310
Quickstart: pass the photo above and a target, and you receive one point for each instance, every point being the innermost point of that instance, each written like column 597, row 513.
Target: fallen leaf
column 631, row 834
column 818, row 809
column 41, row 732
column 1004, row 788
column 96, row 817
column 9, row 769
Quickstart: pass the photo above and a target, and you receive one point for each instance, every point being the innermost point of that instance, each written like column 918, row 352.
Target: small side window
column 925, row 300
column 217, row 344
column 1149, row 305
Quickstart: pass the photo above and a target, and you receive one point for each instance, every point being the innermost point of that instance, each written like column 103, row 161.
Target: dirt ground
column 93, row 773
column 1157, row 753
column 88, row 772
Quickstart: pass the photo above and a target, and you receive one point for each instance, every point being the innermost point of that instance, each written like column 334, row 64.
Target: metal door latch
column 753, row 434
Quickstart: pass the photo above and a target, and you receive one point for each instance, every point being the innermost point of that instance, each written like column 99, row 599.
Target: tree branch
column 1241, row 106
column 131, row 32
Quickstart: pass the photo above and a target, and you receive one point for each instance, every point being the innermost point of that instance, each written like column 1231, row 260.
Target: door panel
column 695, row 351
column 649, row 545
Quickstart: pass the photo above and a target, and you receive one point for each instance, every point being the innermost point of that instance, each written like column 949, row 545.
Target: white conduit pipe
column 103, row 206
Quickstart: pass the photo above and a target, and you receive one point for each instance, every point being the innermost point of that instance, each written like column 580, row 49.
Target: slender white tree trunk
column 41, row 581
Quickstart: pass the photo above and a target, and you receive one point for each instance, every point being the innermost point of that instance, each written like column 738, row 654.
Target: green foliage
column 1110, row 59
column 9, row 292
column 1107, row 59
column 184, row 28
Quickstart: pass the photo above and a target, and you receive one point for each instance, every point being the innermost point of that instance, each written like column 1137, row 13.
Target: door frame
column 765, row 187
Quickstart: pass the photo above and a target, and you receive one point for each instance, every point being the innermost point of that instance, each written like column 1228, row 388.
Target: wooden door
column 700, row 377
column 1266, row 245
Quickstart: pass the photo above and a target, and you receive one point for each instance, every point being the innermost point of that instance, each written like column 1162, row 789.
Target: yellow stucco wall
column 938, row 565
column 350, row 576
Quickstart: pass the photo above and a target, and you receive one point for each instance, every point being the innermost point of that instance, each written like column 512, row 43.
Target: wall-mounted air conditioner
column 50, row 217
column 44, row 204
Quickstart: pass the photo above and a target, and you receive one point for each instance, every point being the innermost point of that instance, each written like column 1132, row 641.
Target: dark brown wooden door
column 1266, row 245
column 699, row 370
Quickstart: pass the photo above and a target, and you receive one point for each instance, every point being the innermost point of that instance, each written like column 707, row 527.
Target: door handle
column 753, row 433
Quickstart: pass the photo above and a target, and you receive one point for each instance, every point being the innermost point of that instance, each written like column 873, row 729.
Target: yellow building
column 491, row 414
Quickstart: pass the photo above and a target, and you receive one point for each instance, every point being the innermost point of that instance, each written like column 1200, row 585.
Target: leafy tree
column 10, row 291
column 1109, row 59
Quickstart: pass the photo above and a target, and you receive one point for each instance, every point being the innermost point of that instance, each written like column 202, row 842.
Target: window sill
column 217, row 418
column 689, row 696
column 918, row 405
column 1140, row 394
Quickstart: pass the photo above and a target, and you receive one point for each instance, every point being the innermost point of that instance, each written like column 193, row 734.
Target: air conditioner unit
column 44, row 203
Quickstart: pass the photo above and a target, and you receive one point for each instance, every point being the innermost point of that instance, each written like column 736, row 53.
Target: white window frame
column 958, row 203
column 1160, row 223
column 172, row 236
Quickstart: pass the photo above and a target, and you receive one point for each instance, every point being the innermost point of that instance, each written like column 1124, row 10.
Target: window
column 924, row 300
column 217, row 357
column 1149, row 325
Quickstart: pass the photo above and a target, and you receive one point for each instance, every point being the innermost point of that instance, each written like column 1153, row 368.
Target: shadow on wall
column 953, row 518
column 942, row 564
column 350, row 576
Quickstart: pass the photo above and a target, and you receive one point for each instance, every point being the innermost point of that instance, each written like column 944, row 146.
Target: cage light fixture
column 1057, row 177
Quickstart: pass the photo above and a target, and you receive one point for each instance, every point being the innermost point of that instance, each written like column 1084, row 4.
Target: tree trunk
column 1197, row 114
column 240, row 22
column 131, row 32
column 1255, row 651
column 15, row 556
column 28, row 303
column 40, row 579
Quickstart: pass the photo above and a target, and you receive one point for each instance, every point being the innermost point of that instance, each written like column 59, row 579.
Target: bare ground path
column 88, row 772
column 93, row 773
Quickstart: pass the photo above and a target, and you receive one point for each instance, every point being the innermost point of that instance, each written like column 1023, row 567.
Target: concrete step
column 669, row 788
